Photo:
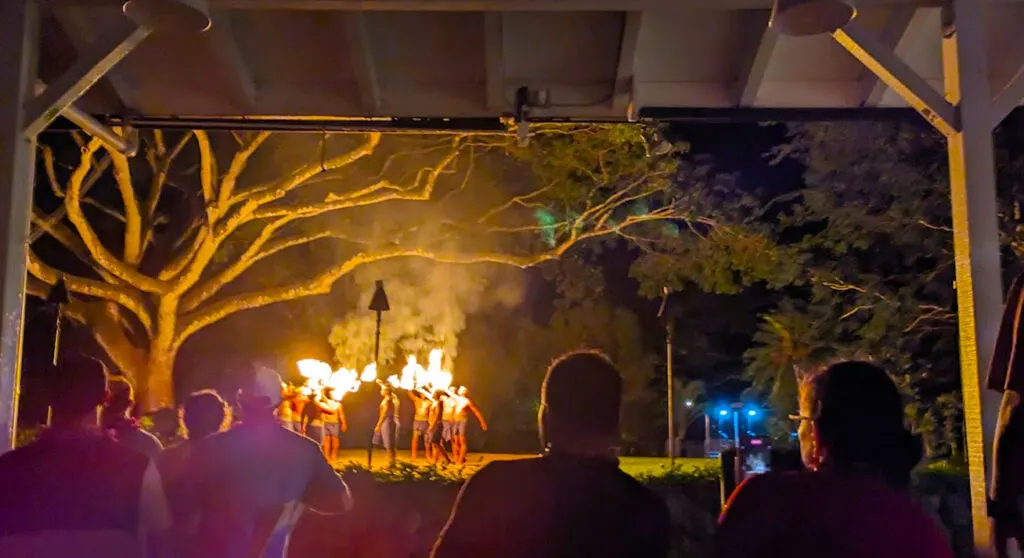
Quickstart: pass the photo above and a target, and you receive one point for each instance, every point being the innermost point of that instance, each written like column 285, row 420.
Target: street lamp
column 669, row 315
column 378, row 304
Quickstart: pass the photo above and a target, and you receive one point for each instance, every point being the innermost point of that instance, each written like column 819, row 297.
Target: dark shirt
column 833, row 514
column 555, row 507
column 249, row 485
column 78, row 493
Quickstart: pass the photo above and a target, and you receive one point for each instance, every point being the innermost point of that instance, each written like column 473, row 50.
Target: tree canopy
column 203, row 225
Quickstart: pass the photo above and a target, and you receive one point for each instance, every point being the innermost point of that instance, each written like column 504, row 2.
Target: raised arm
column 476, row 413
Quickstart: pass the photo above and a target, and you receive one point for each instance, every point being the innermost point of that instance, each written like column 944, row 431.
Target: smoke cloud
column 430, row 304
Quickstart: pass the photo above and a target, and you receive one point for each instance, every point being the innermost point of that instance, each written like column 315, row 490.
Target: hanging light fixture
column 801, row 18
column 173, row 16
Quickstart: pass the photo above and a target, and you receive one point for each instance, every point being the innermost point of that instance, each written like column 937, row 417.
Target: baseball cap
column 264, row 382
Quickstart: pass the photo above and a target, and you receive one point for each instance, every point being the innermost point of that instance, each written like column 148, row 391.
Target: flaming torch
column 378, row 304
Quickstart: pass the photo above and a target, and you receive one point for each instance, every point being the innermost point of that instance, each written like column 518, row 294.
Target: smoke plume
column 430, row 303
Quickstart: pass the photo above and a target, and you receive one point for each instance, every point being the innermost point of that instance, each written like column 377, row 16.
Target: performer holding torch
column 421, row 402
column 435, row 435
column 463, row 406
column 334, row 424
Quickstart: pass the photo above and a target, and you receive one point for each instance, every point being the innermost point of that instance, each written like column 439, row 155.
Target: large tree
column 202, row 226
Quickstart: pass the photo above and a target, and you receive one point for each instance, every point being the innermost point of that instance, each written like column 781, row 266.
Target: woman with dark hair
column 852, row 502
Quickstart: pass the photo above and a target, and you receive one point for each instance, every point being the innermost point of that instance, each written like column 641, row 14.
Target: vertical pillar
column 972, row 178
column 19, row 32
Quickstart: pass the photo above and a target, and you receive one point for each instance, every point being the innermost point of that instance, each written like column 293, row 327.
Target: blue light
column 752, row 413
column 723, row 413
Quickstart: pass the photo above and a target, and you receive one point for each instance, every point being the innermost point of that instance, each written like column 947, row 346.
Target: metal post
column 738, row 464
column 975, row 240
column 707, row 433
column 19, row 42
column 668, row 380
column 376, row 361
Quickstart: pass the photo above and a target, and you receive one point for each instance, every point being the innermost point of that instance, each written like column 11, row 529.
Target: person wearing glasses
column 852, row 501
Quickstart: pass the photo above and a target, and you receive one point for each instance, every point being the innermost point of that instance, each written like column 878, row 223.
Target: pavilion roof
column 588, row 59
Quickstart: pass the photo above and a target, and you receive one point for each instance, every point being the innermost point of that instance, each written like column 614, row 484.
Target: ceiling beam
column 494, row 62
column 90, row 68
column 900, row 77
column 521, row 5
column 360, row 50
column 224, row 47
column 622, row 95
column 1008, row 99
column 904, row 30
column 754, row 61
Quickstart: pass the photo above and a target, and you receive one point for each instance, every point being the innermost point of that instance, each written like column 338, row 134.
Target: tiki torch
column 378, row 304
column 57, row 299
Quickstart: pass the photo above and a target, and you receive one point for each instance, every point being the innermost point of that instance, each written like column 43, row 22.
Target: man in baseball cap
column 252, row 482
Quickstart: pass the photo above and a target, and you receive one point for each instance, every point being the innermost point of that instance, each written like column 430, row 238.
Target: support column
column 19, row 33
column 972, row 180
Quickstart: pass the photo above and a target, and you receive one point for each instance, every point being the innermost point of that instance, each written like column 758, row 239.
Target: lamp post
column 378, row 304
column 669, row 318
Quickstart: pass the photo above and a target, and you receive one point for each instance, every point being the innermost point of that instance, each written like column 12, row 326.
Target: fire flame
column 320, row 376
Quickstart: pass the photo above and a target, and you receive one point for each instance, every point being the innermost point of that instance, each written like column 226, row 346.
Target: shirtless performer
column 285, row 411
column 448, row 420
column 334, row 425
column 435, row 434
column 421, row 402
column 463, row 406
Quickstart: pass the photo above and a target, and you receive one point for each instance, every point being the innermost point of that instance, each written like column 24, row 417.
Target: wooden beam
column 494, row 54
column 902, row 32
column 520, row 5
column 360, row 51
column 754, row 61
column 90, row 68
column 622, row 95
column 1008, row 99
column 900, row 77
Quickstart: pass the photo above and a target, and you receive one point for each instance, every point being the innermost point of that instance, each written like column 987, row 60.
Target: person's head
column 261, row 392
column 205, row 413
column 580, row 402
column 851, row 417
column 79, row 389
column 463, row 391
column 122, row 397
column 386, row 390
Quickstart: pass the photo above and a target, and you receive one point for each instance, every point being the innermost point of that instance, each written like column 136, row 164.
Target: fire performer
column 463, row 406
column 299, row 403
column 386, row 429
column 286, row 410
column 421, row 404
column 334, row 424
column 435, row 437
column 448, row 419
column 313, row 420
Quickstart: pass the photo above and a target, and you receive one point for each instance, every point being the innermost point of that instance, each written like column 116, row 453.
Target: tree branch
column 132, row 214
column 238, row 164
column 207, row 174
column 321, row 283
column 51, row 173
column 90, row 287
column 99, row 253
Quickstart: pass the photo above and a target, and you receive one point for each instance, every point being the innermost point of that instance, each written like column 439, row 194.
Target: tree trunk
column 155, row 387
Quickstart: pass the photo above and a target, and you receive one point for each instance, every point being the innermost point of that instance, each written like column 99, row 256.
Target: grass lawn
column 631, row 465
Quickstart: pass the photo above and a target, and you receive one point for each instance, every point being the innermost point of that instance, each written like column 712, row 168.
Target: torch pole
column 668, row 380
column 376, row 361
